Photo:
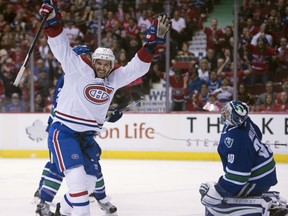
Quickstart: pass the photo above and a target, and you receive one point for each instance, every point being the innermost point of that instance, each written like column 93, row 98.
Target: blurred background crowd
column 197, row 83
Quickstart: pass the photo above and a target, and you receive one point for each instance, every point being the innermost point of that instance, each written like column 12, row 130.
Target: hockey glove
column 156, row 33
column 209, row 195
column 116, row 115
column 81, row 49
column 50, row 8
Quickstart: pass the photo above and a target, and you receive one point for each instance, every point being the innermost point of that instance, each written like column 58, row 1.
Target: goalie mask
column 234, row 113
column 104, row 54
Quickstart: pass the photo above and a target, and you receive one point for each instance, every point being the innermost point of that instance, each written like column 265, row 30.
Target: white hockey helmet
column 105, row 54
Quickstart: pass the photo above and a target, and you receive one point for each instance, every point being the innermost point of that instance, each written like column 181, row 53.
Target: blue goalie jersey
column 248, row 164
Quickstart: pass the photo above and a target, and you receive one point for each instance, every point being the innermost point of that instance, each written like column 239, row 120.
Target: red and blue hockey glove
column 116, row 115
column 156, row 33
column 50, row 8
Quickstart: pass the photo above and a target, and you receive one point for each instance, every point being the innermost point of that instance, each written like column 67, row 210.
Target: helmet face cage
column 105, row 54
column 234, row 113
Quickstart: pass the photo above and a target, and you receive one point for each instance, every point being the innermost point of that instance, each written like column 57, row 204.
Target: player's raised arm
column 140, row 64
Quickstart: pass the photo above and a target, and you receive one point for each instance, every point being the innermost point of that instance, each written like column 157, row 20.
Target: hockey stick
column 133, row 103
column 22, row 69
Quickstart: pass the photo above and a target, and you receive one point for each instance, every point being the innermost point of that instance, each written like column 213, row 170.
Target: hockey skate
column 57, row 211
column 107, row 207
column 43, row 209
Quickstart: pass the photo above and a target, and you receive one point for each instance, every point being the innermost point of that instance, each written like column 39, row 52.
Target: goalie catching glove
column 209, row 195
column 156, row 33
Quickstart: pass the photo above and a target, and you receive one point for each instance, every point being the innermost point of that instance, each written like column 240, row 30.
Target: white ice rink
column 137, row 187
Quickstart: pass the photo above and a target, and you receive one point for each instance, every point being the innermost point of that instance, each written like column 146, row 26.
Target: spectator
column 285, row 85
column 192, row 103
column 178, row 28
column 43, row 84
column 282, row 58
column 261, row 55
column 16, row 105
column 73, row 32
column 252, row 29
column 194, row 82
column 228, row 34
column 211, row 58
column 213, row 82
column 243, row 73
column 133, row 47
column 203, row 95
column 122, row 58
column 214, row 35
column 264, row 34
column 282, row 102
column 268, row 105
column 224, row 94
column 132, row 30
column 178, row 84
column 183, row 54
column 25, row 85
column 143, row 21
column 274, row 28
column 212, row 104
column 108, row 40
column 43, row 48
column 39, row 103
column 8, row 78
column 269, row 90
column 245, row 96
column 17, row 57
column 221, row 67
column 203, row 70
column 245, row 37
column 152, row 73
column 3, row 56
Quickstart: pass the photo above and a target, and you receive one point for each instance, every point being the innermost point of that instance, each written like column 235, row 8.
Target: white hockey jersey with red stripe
column 84, row 99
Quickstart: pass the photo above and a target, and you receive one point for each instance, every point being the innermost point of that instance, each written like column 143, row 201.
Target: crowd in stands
column 197, row 84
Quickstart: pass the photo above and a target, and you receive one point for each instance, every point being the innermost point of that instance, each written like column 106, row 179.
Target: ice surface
column 137, row 187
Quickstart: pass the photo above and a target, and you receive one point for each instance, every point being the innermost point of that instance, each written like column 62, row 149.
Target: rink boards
column 176, row 136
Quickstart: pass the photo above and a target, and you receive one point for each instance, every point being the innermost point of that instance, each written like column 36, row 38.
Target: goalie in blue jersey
column 248, row 165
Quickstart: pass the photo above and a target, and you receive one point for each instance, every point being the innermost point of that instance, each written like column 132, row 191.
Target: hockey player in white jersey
column 51, row 178
column 249, row 170
column 89, row 86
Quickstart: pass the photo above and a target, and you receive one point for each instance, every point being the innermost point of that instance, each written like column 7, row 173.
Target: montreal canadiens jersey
column 246, row 161
column 85, row 99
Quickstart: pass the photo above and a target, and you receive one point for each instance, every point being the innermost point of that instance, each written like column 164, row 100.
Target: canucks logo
column 240, row 110
column 228, row 142
column 97, row 94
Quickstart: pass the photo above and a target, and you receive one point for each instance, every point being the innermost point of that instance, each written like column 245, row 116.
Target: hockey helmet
column 105, row 54
column 234, row 113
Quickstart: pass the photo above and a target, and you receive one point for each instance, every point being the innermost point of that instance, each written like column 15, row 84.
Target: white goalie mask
column 105, row 54
column 234, row 113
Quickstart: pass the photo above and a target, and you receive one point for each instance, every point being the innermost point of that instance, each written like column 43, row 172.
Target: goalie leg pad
column 255, row 206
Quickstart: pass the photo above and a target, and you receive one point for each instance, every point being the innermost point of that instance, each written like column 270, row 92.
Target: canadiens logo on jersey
column 97, row 94
column 228, row 142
